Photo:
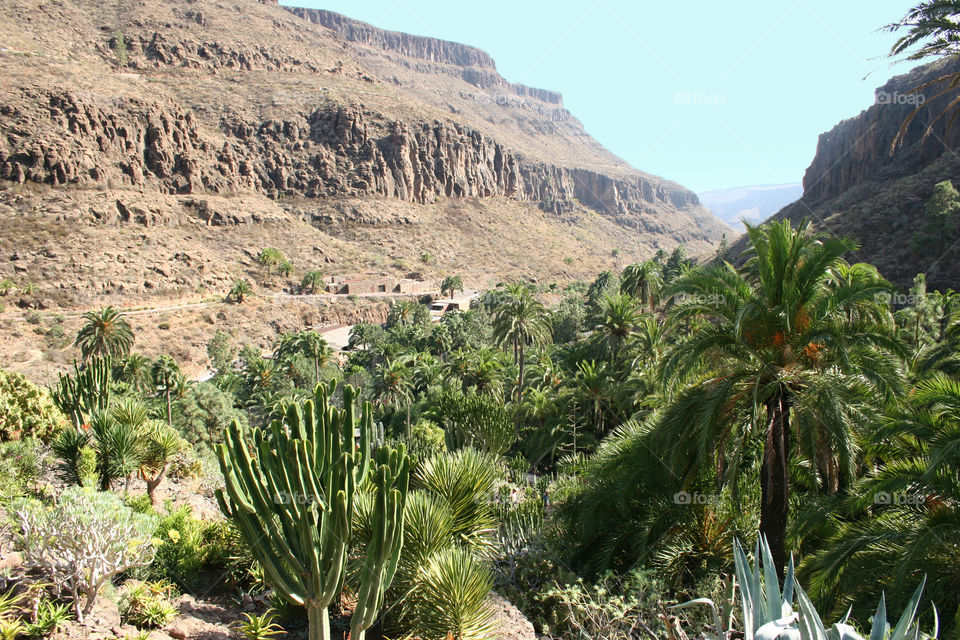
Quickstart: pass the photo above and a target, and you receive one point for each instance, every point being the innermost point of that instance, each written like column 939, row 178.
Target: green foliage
column 48, row 619
column 85, row 392
column 203, row 414
column 221, row 351
column 476, row 420
column 464, row 480
column 240, row 290
column 184, row 551
column 270, row 257
column 21, row 464
column 26, row 410
column 82, row 542
column 451, row 284
column 259, row 627
column 450, row 598
column 120, row 48
column 105, row 333
column 147, row 605
column 294, row 506
column 312, row 281
column 426, row 440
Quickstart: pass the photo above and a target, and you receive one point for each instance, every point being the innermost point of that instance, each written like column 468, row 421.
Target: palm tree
column 521, row 321
column 592, row 384
column 308, row 344
column 643, row 281
column 451, row 284
column 240, row 290
column 106, row 333
column 902, row 522
column 135, row 371
column 168, row 379
column 782, row 353
column 617, row 319
column 312, row 281
column 393, row 386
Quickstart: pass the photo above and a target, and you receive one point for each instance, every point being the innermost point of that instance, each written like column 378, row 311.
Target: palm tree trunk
column 774, row 479
column 520, row 376
column 169, row 409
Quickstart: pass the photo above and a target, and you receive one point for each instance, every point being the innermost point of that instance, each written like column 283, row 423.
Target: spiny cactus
column 291, row 491
column 86, row 392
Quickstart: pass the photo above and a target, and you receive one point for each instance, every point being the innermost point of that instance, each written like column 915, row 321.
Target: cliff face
column 333, row 151
column 857, row 189
column 479, row 68
column 858, row 149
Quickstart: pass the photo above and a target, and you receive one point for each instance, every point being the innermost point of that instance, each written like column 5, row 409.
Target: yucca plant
column 450, row 601
column 49, row 617
column 768, row 614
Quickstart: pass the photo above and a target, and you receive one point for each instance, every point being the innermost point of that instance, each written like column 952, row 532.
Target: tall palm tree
column 106, row 333
column 135, row 371
column 308, row 344
column 592, row 383
column 521, row 321
column 643, row 281
column 783, row 353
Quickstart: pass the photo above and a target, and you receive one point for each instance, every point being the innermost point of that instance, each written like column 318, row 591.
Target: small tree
column 451, row 284
column 167, row 378
column 240, row 290
column 312, row 281
column 83, row 541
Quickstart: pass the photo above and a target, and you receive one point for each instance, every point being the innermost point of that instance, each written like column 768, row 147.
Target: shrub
column 184, row 552
column 146, row 605
column 203, row 414
column 261, row 627
column 49, row 616
column 21, row 464
column 312, row 281
column 425, row 441
column 270, row 257
column 83, row 541
column 26, row 410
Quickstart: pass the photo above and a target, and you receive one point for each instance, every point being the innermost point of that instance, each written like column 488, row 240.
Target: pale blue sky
column 709, row 94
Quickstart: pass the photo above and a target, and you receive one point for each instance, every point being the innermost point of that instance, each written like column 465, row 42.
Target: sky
column 710, row 94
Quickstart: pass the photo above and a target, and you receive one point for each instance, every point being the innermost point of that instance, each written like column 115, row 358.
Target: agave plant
column 768, row 614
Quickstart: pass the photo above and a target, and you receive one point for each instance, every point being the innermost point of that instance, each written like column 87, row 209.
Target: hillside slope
column 149, row 150
column 856, row 188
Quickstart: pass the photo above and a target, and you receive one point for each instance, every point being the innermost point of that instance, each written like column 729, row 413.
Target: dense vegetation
column 592, row 453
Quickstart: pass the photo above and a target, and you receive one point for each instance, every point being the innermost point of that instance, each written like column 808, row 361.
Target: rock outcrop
column 66, row 139
column 856, row 188
column 859, row 149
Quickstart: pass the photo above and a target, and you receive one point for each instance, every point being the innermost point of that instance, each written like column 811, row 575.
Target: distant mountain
column 753, row 203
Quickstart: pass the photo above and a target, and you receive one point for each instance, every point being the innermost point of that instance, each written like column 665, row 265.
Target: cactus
column 291, row 491
column 86, row 391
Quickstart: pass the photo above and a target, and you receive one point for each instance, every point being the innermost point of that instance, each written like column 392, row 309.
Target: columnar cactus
column 291, row 490
column 86, row 391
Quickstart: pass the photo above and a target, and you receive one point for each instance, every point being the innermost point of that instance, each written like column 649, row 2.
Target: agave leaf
column 936, row 622
column 788, row 585
column 747, row 597
column 718, row 625
column 811, row 626
column 880, row 626
column 782, row 629
column 771, row 581
column 902, row 629
column 843, row 631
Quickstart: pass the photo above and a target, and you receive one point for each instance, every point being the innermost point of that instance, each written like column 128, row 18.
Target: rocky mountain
column 753, row 204
column 857, row 187
column 200, row 112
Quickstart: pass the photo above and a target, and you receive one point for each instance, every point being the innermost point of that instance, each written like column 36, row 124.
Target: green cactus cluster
column 85, row 392
column 290, row 489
